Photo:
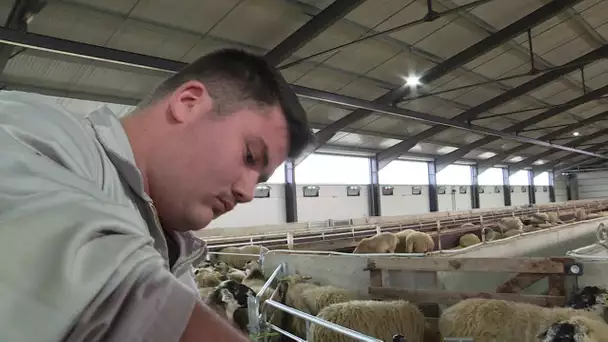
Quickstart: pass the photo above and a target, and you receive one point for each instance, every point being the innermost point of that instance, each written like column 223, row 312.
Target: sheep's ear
column 227, row 297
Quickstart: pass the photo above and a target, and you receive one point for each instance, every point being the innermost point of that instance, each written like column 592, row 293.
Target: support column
column 433, row 199
column 531, row 188
column 374, row 188
column 569, row 186
column 551, row 186
column 291, row 198
column 474, row 187
column 506, row 187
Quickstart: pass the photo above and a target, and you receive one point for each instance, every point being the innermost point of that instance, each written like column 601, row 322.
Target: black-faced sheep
column 488, row 320
column 227, row 297
column 379, row 243
column 402, row 235
column 576, row 329
column 468, row 240
column 419, row 242
column 379, row 319
column 508, row 223
column 590, row 298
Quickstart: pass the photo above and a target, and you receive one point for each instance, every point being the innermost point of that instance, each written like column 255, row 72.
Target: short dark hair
column 234, row 79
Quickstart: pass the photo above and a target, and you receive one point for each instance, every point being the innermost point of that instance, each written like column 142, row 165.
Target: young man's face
column 214, row 162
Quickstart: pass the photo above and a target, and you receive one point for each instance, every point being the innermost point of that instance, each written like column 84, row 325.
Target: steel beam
column 475, row 203
column 480, row 48
column 574, row 143
column 395, row 151
column 375, row 208
column 433, row 196
column 88, row 51
column 552, row 187
column 291, row 203
column 490, row 162
column 17, row 19
column 506, row 186
column 451, row 157
column 531, row 188
column 553, row 163
column 307, row 32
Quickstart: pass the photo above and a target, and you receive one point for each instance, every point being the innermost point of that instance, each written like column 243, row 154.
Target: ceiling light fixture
column 576, row 134
column 412, row 81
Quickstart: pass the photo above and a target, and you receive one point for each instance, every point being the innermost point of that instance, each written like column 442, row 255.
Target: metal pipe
column 321, row 322
column 286, row 333
column 270, row 280
column 99, row 53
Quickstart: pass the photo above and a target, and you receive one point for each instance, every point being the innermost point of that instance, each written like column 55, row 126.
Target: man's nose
column 244, row 190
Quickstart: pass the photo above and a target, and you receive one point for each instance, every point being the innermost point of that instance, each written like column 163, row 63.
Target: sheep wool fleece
column 82, row 236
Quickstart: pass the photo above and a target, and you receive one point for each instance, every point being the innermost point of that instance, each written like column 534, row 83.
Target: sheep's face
column 590, row 298
column 564, row 332
column 222, row 267
column 238, row 291
column 252, row 265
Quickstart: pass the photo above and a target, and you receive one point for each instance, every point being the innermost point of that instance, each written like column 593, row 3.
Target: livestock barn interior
column 460, row 154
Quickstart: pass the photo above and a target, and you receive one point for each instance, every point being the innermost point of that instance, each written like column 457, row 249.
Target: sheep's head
column 590, row 298
column 565, row 331
column 222, row 267
column 252, row 265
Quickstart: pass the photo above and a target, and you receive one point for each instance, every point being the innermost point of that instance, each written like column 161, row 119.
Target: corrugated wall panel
column 592, row 184
column 561, row 194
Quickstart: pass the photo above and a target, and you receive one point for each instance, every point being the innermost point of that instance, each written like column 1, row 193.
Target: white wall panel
column 518, row 197
column 332, row 203
column 491, row 198
column 260, row 211
column 540, row 196
column 592, row 184
column 402, row 202
column 561, row 194
column 453, row 200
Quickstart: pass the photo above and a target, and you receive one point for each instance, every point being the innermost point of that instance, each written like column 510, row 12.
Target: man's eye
column 249, row 158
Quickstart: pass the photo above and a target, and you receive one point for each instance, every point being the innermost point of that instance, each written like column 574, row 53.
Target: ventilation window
column 262, row 191
column 311, row 191
column 416, row 190
column 353, row 190
column 387, row 190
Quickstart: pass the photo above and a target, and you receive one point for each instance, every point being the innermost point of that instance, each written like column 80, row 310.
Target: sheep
column 469, row 239
column 227, row 297
column 238, row 261
column 379, row 243
column 509, row 223
column 310, row 298
column 511, row 232
column 580, row 214
column 205, row 291
column 554, row 218
column 492, row 235
column 545, row 225
column 255, row 279
column 487, row 320
column 230, row 272
column 575, row 329
column 207, row 277
column 538, row 218
column 590, row 298
column 402, row 235
column 419, row 242
column 379, row 319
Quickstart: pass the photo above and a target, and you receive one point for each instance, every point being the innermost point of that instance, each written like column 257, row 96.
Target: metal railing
column 257, row 318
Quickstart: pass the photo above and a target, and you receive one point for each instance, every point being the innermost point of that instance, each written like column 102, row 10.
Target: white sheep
column 509, row 223
column 402, row 235
column 576, row 329
column 489, row 320
column 379, row 243
column 239, row 261
column 379, row 319
column 468, row 240
column 419, row 242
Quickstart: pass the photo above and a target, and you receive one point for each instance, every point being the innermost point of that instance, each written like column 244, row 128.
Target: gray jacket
column 85, row 258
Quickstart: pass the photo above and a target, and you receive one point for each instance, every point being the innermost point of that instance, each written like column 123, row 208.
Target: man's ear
column 189, row 102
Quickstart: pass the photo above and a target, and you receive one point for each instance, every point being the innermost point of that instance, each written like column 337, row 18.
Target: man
column 96, row 214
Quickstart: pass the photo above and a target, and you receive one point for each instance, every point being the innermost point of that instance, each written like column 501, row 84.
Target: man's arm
column 78, row 266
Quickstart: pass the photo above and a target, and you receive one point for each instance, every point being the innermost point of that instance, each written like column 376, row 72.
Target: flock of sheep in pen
column 225, row 282
column 412, row 241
